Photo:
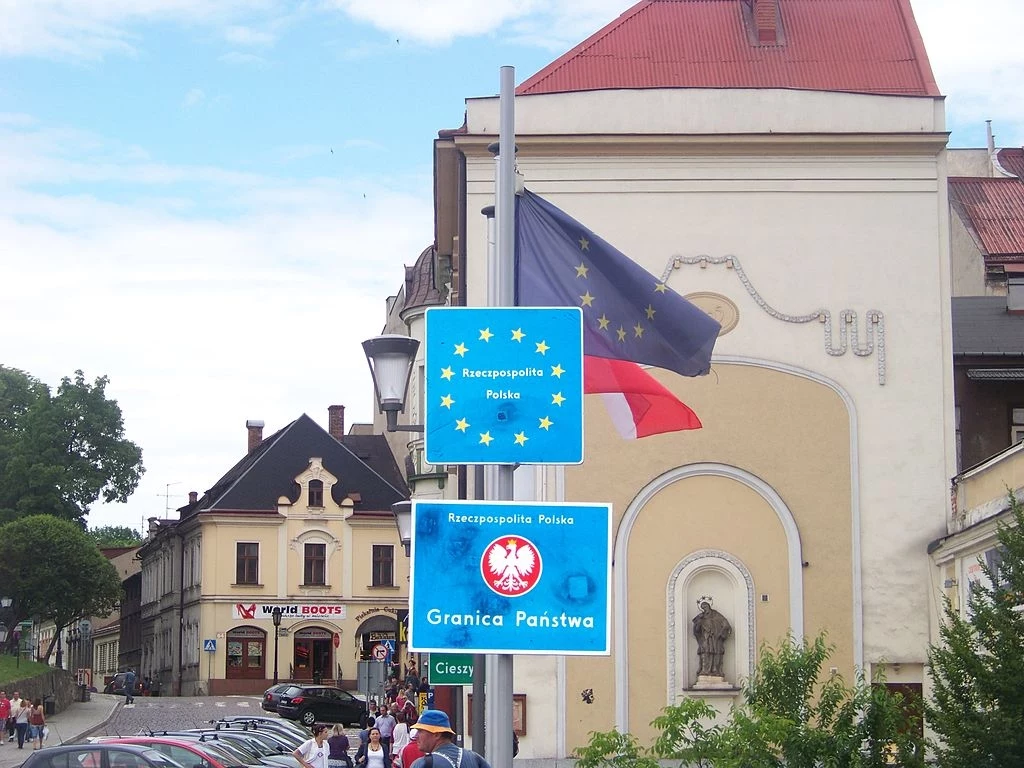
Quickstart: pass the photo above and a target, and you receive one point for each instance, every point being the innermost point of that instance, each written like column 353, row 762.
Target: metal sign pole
column 498, row 486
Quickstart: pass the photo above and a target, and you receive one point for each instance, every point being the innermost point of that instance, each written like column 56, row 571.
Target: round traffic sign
column 379, row 652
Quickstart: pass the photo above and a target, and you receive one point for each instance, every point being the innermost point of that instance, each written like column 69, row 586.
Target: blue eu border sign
column 510, row 577
column 504, row 385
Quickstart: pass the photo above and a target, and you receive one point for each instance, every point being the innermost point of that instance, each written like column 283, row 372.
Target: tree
column 790, row 716
column 114, row 536
column 61, row 452
column 54, row 571
column 977, row 668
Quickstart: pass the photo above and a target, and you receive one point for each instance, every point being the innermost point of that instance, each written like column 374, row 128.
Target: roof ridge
column 551, row 69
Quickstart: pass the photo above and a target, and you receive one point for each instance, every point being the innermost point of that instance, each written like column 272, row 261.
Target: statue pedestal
column 711, row 683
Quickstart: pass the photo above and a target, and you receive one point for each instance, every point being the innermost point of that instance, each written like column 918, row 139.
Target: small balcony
column 980, row 492
column 424, row 477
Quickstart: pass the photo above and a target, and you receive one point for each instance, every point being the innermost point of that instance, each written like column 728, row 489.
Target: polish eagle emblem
column 511, row 565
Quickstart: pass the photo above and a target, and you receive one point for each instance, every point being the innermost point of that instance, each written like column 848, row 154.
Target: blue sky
column 209, row 202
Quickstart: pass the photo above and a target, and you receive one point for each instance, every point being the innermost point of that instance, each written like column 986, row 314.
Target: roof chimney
column 336, row 421
column 255, row 433
column 766, row 21
column 193, row 497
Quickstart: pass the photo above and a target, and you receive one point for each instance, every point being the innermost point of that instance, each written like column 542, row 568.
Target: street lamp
column 402, row 511
column 276, row 614
column 391, row 358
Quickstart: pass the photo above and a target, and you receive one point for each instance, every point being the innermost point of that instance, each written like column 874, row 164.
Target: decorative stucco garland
column 847, row 317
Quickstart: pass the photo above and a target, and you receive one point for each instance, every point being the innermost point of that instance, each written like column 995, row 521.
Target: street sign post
column 510, row 577
column 504, row 385
column 450, row 669
column 210, row 645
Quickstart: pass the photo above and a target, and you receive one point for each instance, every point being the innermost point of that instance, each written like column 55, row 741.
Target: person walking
column 5, row 715
column 338, row 746
column 15, row 703
column 412, row 751
column 399, row 738
column 312, row 753
column 435, row 736
column 386, row 723
column 129, row 687
column 21, row 714
column 36, row 723
column 373, row 754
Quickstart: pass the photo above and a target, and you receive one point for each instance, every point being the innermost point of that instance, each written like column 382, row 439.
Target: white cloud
column 194, row 97
column 243, row 59
column 200, row 320
column 239, row 35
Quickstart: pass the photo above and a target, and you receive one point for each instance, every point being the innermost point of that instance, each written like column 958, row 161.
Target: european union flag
column 628, row 314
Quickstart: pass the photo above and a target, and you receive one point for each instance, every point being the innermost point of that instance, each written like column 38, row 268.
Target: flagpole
column 498, row 480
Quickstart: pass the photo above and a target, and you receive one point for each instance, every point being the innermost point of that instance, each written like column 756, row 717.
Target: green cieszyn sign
column 450, row 669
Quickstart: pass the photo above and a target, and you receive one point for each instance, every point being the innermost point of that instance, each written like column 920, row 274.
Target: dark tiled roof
column 419, row 282
column 993, row 209
column 374, row 451
column 982, row 326
column 257, row 481
column 863, row 46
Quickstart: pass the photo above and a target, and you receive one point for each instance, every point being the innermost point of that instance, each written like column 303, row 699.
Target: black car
column 320, row 703
column 273, row 695
column 100, row 755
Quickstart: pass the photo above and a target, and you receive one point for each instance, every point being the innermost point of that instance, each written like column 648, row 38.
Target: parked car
column 273, row 695
column 284, row 731
column 116, row 685
column 189, row 753
column 99, row 755
column 261, row 721
column 320, row 703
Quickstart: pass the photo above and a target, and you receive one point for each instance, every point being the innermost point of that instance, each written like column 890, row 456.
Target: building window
column 1016, row 425
column 247, row 563
column 316, row 559
column 383, row 565
column 316, row 493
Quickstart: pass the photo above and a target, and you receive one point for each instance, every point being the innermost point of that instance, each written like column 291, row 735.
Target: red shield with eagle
column 511, row 566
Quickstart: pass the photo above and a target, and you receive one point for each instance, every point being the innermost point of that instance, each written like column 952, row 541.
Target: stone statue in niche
column 711, row 629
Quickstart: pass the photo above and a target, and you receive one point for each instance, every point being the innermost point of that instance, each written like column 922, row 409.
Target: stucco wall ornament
column 874, row 327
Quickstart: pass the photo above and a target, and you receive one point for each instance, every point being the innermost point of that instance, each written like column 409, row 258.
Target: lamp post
column 402, row 511
column 391, row 358
column 276, row 614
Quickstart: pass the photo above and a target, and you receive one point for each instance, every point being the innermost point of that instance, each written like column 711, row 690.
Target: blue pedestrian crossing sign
column 210, row 645
column 390, row 645
column 504, row 385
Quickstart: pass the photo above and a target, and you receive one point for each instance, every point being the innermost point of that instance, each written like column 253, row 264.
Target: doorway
column 313, row 652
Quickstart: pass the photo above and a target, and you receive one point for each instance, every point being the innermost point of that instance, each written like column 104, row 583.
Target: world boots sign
column 265, row 611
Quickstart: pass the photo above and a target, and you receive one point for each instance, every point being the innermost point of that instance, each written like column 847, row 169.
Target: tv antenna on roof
column 168, row 496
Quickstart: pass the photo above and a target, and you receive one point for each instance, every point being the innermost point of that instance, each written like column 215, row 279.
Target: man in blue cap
column 435, row 736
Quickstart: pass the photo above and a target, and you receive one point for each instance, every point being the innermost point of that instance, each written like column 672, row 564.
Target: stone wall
column 58, row 683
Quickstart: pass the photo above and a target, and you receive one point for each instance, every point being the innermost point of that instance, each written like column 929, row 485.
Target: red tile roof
column 1012, row 160
column 863, row 46
column 994, row 210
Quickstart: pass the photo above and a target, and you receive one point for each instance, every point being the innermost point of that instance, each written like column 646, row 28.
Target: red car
column 188, row 753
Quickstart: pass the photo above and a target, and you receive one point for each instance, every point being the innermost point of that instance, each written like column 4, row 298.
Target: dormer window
column 316, row 493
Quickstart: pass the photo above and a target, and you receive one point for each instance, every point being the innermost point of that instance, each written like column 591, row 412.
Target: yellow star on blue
column 557, row 370
column 447, row 373
column 542, row 347
column 518, row 335
column 557, row 399
column 581, row 270
column 461, row 349
column 461, row 425
column 485, row 438
column 545, row 423
column 521, row 438
column 485, row 334
column 446, row 401
column 584, row 244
